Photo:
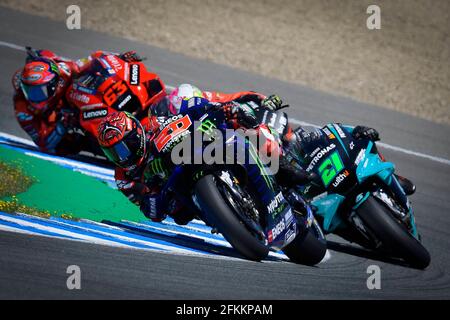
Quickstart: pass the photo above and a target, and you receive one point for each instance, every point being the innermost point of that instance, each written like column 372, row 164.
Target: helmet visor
column 127, row 152
column 35, row 93
column 38, row 93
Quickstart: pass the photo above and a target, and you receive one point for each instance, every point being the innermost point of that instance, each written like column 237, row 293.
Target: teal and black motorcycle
column 358, row 196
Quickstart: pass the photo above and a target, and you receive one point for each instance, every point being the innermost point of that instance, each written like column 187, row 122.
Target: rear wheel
column 393, row 234
column 221, row 215
column 309, row 248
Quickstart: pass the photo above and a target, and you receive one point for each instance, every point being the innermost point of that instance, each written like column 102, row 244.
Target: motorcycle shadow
column 356, row 250
column 185, row 241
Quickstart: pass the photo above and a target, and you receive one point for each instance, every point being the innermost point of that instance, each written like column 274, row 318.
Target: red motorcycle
column 111, row 84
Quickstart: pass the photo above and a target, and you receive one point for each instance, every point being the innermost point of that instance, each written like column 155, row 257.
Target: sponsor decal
column 352, row 145
column 275, row 203
column 134, row 74
column 126, row 72
column 289, row 218
column 310, row 218
column 320, row 155
column 339, row 131
column 115, row 63
column 91, row 106
column 278, row 229
column 270, row 236
column 341, row 178
column 315, row 152
column 124, row 102
column 99, row 113
column 84, row 89
column 32, row 78
column 328, row 133
column 361, row 156
column 172, row 131
column 79, row 97
column 65, row 68
column 38, row 68
column 290, row 234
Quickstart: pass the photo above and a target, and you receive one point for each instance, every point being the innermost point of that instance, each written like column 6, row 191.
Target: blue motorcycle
column 357, row 195
column 241, row 200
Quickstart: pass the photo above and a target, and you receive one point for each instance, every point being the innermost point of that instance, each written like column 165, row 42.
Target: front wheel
column 393, row 234
column 307, row 248
column 218, row 213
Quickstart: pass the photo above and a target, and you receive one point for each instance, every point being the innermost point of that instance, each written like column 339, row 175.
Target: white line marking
column 10, row 137
column 77, row 165
column 93, row 239
column 384, row 145
column 170, row 251
column 61, row 232
column 12, row 46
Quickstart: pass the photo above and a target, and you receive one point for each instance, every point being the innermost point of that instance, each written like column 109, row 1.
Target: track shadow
column 365, row 253
column 184, row 241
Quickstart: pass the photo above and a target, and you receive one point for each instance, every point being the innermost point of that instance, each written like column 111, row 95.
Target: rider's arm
column 241, row 97
column 133, row 189
column 145, row 195
column 362, row 131
column 45, row 132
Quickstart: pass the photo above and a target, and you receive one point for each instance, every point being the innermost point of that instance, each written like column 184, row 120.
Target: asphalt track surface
column 35, row 267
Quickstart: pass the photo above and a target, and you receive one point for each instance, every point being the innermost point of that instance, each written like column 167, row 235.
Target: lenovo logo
column 99, row 113
column 134, row 74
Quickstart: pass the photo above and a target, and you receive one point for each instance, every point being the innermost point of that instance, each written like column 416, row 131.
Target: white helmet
column 183, row 92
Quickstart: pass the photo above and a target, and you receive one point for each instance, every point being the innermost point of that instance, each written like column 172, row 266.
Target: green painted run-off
column 65, row 191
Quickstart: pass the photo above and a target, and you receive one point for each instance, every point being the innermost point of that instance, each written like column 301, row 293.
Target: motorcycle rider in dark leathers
column 141, row 176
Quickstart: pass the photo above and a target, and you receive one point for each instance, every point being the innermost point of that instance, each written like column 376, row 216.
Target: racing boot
column 180, row 214
column 406, row 185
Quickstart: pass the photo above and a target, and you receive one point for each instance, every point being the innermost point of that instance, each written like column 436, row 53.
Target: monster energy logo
column 54, row 68
column 156, row 167
column 207, row 127
column 227, row 146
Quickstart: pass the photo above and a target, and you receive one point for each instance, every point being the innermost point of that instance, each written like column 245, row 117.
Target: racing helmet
column 181, row 95
column 122, row 139
column 39, row 83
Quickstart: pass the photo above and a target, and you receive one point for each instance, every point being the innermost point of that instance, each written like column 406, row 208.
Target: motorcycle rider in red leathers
column 39, row 98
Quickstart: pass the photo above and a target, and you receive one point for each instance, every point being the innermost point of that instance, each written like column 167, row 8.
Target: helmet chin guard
column 122, row 139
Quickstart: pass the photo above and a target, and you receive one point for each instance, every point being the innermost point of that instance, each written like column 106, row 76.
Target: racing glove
column 272, row 102
column 360, row 132
column 68, row 119
column 243, row 114
column 131, row 56
column 289, row 175
column 152, row 206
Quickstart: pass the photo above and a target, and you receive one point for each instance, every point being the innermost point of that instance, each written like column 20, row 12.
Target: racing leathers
column 50, row 123
column 143, row 185
column 301, row 138
column 48, row 127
